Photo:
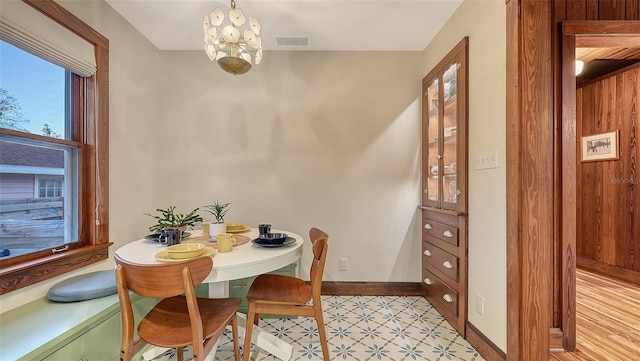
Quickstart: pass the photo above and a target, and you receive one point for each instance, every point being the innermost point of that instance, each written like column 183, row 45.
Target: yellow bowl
column 185, row 250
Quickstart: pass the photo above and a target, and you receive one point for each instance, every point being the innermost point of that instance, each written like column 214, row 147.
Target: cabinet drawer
column 239, row 288
column 444, row 262
column 441, row 231
column 439, row 291
column 101, row 342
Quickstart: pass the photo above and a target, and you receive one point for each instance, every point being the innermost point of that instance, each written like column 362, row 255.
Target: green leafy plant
column 169, row 218
column 218, row 210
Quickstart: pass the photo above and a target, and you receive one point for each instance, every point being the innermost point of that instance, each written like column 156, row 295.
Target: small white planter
column 217, row 228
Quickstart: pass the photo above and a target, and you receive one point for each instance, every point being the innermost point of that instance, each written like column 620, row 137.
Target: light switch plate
column 487, row 160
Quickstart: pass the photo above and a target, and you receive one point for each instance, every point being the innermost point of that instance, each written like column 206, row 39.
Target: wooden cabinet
column 444, row 181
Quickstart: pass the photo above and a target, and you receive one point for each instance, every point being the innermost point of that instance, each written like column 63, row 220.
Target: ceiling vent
column 292, row 41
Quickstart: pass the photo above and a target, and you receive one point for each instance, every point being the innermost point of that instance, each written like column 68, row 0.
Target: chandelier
column 234, row 44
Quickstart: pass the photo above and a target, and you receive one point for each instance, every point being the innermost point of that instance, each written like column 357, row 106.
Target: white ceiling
column 378, row 25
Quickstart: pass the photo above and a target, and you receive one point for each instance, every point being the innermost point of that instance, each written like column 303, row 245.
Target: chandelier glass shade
column 232, row 41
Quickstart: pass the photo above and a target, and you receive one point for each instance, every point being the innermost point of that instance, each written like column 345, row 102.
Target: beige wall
column 484, row 23
column 325, row 139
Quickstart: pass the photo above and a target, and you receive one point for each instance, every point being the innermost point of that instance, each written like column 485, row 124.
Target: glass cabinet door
column 432, row 172
column 444, row 156
column 444, row 133
column 450, row 140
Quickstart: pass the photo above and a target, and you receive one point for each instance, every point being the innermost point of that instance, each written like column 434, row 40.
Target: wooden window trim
column 94, row 165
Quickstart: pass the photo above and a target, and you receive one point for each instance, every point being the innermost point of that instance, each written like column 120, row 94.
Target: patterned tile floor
column 363, row 328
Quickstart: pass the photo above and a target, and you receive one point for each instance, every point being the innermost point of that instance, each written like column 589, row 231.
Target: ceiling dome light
column 232, row 47
column 579, row 67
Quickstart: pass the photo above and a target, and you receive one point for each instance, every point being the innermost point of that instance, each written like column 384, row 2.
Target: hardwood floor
column 608, row 320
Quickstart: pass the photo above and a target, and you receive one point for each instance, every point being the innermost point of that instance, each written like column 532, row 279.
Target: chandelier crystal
column 234, row 43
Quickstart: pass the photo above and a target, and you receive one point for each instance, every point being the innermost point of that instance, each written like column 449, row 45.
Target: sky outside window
column 38, row 86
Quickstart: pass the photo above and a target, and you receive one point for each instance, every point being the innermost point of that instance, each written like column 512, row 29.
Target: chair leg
column 323, row 335
column 251, row 311
column 234, row 332
column 179, row 354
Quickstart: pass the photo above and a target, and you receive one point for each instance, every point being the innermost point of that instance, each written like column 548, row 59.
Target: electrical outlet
column 480, row 304
column 344, row 264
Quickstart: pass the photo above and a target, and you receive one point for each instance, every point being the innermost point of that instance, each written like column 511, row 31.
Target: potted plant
column 218, row 210
column 168, row 218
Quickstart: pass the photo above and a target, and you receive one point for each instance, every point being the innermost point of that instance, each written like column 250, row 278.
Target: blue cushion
column 84, row 287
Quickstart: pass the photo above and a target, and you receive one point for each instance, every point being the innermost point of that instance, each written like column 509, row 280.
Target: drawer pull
column 427, row 253
column 448, row 234
column 428, row 226
column 447, row 297
column 428, row 281
column 447, row 264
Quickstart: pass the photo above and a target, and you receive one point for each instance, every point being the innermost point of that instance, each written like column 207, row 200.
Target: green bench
column 46, row 330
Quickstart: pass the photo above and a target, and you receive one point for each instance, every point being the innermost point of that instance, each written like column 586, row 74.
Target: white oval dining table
column 244, row 260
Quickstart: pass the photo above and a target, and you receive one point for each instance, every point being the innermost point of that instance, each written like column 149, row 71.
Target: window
column 53, row 163
column 49, row 187
column 33, row 94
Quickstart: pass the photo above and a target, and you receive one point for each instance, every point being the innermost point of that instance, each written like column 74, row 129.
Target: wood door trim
column 514, row 169
column 605, row 28
column 568, row 202
column 603, row 41
column 530, row 179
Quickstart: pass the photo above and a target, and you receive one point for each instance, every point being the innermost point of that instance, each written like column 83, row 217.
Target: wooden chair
column 290, row 296
column 180, row 318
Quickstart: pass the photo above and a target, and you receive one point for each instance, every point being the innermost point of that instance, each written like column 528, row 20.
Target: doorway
column 578, row 35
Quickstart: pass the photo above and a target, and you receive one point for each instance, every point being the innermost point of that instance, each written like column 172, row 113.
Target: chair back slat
column 163, row 280
column 320, row 247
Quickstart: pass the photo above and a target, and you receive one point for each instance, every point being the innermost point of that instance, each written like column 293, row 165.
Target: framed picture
column 602, row 146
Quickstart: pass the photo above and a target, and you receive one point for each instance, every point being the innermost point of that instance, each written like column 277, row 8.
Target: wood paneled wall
column 609, row 191
column 597, row 10
column 535, row 253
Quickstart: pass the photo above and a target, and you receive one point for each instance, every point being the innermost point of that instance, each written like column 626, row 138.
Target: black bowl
column 273, row 238
column 155, row 236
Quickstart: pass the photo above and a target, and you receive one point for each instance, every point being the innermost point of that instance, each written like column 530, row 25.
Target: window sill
column 27, row 273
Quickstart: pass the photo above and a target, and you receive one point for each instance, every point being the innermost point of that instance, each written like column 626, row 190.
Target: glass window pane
column 32, row 94
column 450, row 123
column 50, row 185
column 38, row 209
column 38, row 179
column 433, row 134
